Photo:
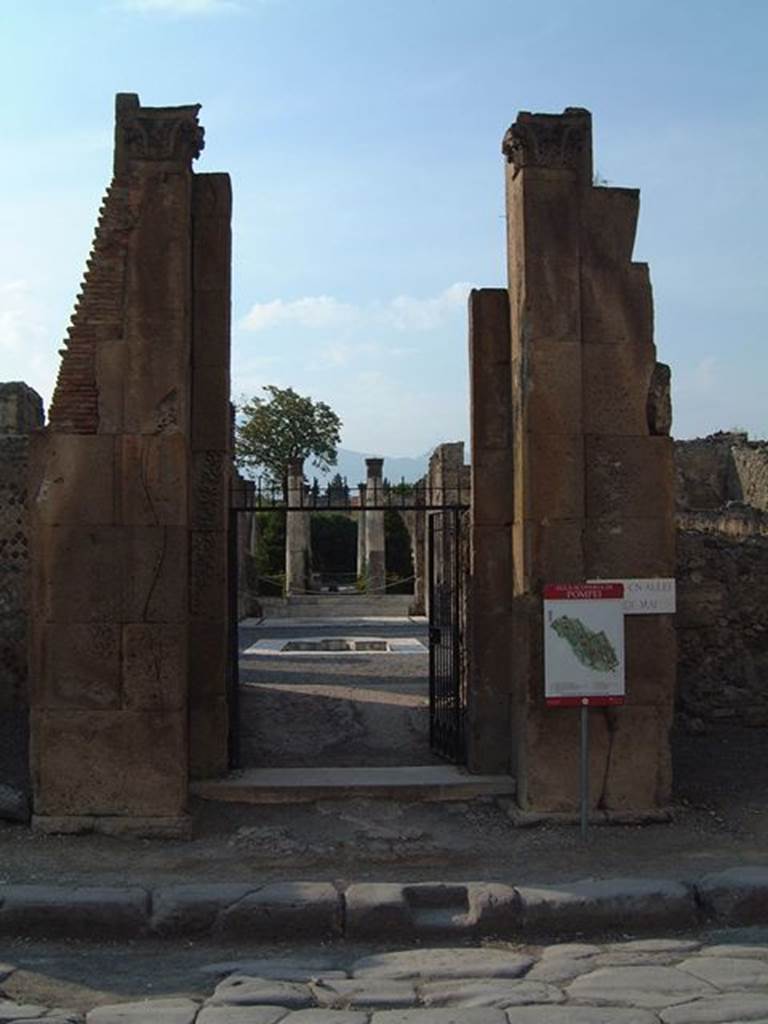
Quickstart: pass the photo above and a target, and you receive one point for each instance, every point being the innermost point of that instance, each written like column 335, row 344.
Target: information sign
column 647, row 597
column 584, row 644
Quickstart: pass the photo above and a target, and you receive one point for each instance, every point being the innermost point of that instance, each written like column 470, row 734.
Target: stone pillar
column 592, row 493
column 489, row 610
column 126, row 504
column 375, row 560
column 298, row 557
column 416, row 523
column 361, row 558
column 211, row 436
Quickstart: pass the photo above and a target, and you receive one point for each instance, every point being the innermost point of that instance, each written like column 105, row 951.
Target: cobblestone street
column 718, row 979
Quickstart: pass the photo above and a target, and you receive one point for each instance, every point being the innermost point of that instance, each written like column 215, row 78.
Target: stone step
column 429, row 783
column 335, row 605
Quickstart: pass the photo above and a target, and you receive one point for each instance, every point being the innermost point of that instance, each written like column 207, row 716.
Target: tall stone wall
column 591, row 494
column 128, row 483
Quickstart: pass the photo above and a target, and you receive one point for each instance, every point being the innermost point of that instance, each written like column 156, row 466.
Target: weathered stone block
column 152, row 487
column 548, row 770
column 210, row 490
column 629, row 548
column 555, row 477
column 609, row 224
column 629, row 477
column 284, row 910
column 155, row 385
column 208, row 654
column 208, row 596
column 21, row 408
column 490, row 355
column 72, row 748
column 154, row 673
column 155, row 574
column 211, row 328
column 492, row 486
column 79, row 666
column 212, row 235
column 64, row 591
column 617, row 304
column 616, row 380
column 650, row 646
column 85, row 912
column 209, row 739
column 74, row 479
column 553, row 389
column 211, row 423
column 554, row 551
column 110, row 361
column 639, row 773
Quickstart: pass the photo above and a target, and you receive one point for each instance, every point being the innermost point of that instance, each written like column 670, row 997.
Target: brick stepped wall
column 98, row 317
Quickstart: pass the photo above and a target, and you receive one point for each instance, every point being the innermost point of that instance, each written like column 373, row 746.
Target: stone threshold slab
column 333, row 622
column 305, row 785
column 305, row 646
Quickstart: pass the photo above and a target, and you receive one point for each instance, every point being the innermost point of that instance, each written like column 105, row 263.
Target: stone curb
column 385, row 911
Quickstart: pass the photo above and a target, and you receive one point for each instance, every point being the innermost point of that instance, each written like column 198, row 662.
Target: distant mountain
column 352, row 466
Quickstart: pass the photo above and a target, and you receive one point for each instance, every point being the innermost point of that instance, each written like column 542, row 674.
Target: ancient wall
column 21, row 412
column 722, row 619
column 129, row 487
column 722, row 572
column 712, row 471
column 592, row 487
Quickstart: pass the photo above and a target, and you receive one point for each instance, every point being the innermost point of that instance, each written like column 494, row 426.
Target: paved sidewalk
column 690, row 980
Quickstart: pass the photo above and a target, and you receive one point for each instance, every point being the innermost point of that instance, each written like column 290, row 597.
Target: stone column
column 489, row 611
column 298, row 557
column 111, row 484
column 211, row 437
column 592, row 489
column 375, row 558
column 361, row 558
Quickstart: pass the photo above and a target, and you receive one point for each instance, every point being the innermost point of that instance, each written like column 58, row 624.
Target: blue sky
column 363, row 139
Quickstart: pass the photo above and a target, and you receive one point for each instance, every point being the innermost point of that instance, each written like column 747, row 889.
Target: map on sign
column 584, row 643
column 592, row 649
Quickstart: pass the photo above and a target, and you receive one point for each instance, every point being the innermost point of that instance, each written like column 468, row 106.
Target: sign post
column 584, row 656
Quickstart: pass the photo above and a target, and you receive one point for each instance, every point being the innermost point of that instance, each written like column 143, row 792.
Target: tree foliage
column 271, row 431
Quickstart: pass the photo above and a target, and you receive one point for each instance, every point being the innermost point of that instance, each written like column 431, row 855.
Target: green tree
column 272, row 431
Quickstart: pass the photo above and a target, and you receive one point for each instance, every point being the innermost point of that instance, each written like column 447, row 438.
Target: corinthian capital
column 557, row 141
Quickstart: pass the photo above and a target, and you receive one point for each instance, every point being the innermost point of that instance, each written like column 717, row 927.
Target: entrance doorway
column 340, row 678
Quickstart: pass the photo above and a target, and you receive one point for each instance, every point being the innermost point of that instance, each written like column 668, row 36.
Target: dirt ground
column 301, row 710
column 378, row 703
column 720, row 820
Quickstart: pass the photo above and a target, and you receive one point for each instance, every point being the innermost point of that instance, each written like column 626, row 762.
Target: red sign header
column 583, row 591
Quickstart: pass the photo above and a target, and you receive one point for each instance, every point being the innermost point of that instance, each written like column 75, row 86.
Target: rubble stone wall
column 721, row 468
column 21, row 412
column 722, row 572
column 722, row 619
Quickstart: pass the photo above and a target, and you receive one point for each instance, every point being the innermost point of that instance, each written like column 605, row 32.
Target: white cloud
column 181, row 8
column 313, row 312
column 402, row 313
column 26, row 351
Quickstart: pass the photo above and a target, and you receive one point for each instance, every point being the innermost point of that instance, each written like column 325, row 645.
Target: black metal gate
column 447, row 682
